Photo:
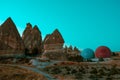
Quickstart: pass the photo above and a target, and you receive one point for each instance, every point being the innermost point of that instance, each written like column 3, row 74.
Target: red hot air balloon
column 102, row 52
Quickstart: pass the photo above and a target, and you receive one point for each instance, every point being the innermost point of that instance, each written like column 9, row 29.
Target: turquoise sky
column 83, row 23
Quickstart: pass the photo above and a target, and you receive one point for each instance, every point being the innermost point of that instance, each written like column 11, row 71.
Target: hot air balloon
column 87, row 53
column 102, row 52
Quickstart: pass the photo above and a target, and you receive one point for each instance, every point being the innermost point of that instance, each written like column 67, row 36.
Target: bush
column 26, row 52
column 94, row 71
column 78, row 75
column 34, row 52
column 75, row 58
column 56, row 71
column 101, row 59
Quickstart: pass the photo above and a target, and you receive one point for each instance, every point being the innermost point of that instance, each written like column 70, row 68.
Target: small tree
column 35, row 51
column 26, row 52
column 66, row 48
column 101, row 59
column 76, row 49
column 70, row 47
column 75, row 58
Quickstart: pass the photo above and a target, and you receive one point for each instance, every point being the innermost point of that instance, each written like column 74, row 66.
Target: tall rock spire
column 10, row 36
column 8, row 27
column 26, row 36
column 54, row 38
column 53, row 41
column 37, row 38
column 53, row 46
column 32, row 37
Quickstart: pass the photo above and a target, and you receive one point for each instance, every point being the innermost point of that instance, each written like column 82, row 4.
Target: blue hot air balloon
column 87, row 53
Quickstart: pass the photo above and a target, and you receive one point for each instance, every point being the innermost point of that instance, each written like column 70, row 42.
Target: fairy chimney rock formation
column 32, row 37
column 53, row 46
column 37, row 38
column 9, row 36
column 53, row 41
column 27, row 36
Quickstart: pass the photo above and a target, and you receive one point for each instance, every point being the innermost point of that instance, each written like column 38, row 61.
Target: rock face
column 72, row 52
column 53, row 41
column 53, row 46
column 37, row 38
column 27, row 36
column 32, row 38
column 9, row 37
column 31, row 41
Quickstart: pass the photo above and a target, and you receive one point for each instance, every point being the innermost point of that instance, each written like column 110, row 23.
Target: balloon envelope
column 102, row 52
column 87, row 53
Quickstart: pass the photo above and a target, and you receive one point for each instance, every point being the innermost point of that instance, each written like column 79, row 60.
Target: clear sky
column 83, row 23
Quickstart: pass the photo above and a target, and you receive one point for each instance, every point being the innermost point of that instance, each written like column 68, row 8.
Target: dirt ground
column 63, row 70
column 16, row 73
